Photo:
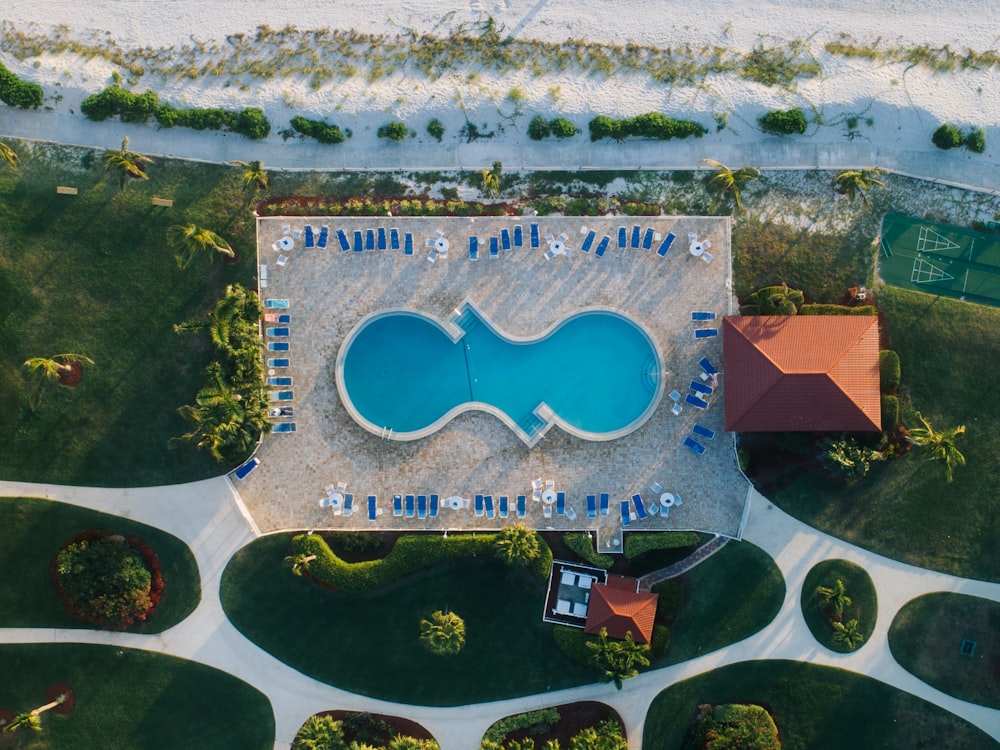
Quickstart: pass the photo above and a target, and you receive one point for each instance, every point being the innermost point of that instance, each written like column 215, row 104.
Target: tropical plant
column 51, row 368
column 393, row 131
column 254, row 175
column 491, row 180
column 320, row 733
column 435, row 128
column 539, row 128
column 8, row 155
column 443, row 634
column 606, row 735
column 942, row 444
column 24, row 720
column 849, row 634
column 947, row 136
column 849, row 458
column 226, row 419
column 855, row 182
column 517, row 544
column 618, row 660
column 189, row 240
column 783, row 122
column 728, row 181
column 299, row 562
column 835, row 597
column 128, row 164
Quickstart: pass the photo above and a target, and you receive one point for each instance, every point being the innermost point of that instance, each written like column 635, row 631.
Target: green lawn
column 926, row 635
column 91, row 274
column 860, row 589
column 815, row 708
column 128, row 699
column 32, row 532
column 368, row 642
column 905, row 509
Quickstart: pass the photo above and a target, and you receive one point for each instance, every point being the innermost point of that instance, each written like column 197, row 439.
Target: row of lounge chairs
column 420, row 506
column 700, row 431
column 316, row 239
column 504, row 508
column 277, row 326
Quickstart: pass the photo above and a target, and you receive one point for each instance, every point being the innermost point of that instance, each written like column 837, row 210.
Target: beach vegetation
column 947, row 136
column 435, row 129
column 783, row 122
column 253, row 176
column 321, row 130
column 975, row 141
column 17, row 92
column 652, row 125
column 539, row 128
column 393, row 131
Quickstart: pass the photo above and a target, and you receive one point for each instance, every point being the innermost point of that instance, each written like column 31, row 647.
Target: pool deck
column 330, row 291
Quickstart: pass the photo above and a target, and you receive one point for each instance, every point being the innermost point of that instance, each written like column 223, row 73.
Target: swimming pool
column 403, row 375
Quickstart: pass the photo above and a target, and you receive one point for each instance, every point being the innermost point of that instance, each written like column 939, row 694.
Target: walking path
column 208, row 516
column 701, row 554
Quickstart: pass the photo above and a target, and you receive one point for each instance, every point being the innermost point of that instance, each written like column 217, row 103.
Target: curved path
column 209, row 517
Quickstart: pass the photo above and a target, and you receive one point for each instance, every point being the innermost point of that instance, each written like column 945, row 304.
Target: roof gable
column 622, row 611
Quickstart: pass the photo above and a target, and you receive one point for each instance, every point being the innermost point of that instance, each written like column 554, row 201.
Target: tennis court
column 940, row 259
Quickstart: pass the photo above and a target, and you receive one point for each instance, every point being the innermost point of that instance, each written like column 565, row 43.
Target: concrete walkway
column 208, row 516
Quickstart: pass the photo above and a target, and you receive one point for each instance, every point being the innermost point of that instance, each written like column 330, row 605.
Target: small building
column 619, row 606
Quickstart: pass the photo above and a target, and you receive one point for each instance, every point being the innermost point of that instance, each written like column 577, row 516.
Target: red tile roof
column 801, row 373
column 621, row 610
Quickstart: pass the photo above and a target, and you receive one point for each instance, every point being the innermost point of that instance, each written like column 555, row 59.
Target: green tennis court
column 940, row 259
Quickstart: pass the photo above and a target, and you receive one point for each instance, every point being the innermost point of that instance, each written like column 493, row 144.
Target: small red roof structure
column 801, row 373
column 619, row 606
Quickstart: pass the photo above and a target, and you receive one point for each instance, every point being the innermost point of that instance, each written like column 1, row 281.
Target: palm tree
column 849, row 634
column 224, row 417
column 188, row 240
column 491, row 180
column 52, row 368
column 299, row 562
column 126, row 163
column 726, row 180
column 254, row 175
column 852, row 182
column 443, row 634
column 517, row 544
column 618, row 660
column 32, row 719
column 834, row 597
column 8, row 155
column 942, row 444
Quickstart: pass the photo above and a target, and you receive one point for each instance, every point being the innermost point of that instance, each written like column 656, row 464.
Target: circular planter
column 863, row 607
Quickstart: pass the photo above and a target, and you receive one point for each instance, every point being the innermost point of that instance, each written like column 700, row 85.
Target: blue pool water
column 598, row 371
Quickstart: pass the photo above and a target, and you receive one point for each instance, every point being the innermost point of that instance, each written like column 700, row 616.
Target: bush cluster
column 772, row 300
column 848, row 458
column 499, row 731
column 650, row 125
column 889, row 370
column 733, row 725
column 950, row 136
column 17, row 92
column 114, row 101
column 322, row 131
column 638, row 544
column 370, row 207
column 435, row 129
column 824, row 309
column 783, row 122
column 539, row 128
column 890, row 412
column 393, row 131
column 583, row 545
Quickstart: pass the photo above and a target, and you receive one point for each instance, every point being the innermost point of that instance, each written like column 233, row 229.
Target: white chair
column 707, row 257
column 547, row 511
column 583, row 229
column 329, row 489
column 282, row 260
column 562, row 237
column 286, row 229
column 325, row 502
column 536, row 495
column 570, row 514
column 676, row 409
column 677, row 499
column 537, row 484
column 341, row 487
column 656, row 488
column 653, row 509
column 550, row 484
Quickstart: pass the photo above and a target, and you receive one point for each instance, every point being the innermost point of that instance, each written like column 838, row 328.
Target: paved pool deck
column 524, row 293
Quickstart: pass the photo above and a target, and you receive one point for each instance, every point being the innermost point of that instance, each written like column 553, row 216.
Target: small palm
column 854, row 182
column 491, row 180
column 189, row 240
column 517, row 544
column 254, row 175
column 849, row 634
column 726, row 180
column 126, row 163
column 8, row 155
column 942, row 444
column 834, row 596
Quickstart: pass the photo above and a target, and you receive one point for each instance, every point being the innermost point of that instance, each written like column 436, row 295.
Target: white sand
column 905, row 104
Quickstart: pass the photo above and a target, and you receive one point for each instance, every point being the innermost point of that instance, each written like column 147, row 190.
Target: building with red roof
column 619, row 606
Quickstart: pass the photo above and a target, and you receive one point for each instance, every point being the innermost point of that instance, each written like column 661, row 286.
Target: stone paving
column 523, row 293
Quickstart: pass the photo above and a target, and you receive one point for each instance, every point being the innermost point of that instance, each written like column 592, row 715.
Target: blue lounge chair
column 245, row 469
column 282, row 380
column 285, row 427
column 282, row 395
column 369, row 239
column 602, row 246
column 277, row 346
column 494, row 247
column 518, row 236
column 278, row 363
column 397, row 505
column 421, row 506
column 647, row 239
column 488, row 499
column 394, row 239
column 605, row 498
column 345, row 246
column 640, row 507
column 591, row 506
column 434, row 506
column 284, row 319
column 373, row 507
column 665, row 245
column 324, row 237
column 622, row 238
column 473, row 248
column 381, row 241
column 504, row 506
column 348, row 504
column 588, row 241
column 694, row 445
column 703, row 316
column 408, row 244
column 707, row 366
column 277, row 332
column 505, row 239
column 309, row 240
column 695, row 401
column 697, row 385
column 410, row 506
column 521, row 499
column 561, row 503
column 626, row 517
column 635, row 236
column 276, row 304
column 706, row 333
column 534, row 236
column 283, row 411
column 479, row 505
column 703, row 431
column 359, row 241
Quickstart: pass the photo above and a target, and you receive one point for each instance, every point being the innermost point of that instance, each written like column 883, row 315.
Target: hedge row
column 890, row 412
column 821, row 309
column 499, row 731
column 949, row 136
column 649, row 125
column 773, row 300
column 17, row 92
column 542, row 564
column 139, row 108
column 637, row 544
column 369, row 207
column 783, row 122
column 321, row 131
column 540, row 128
column 583, row 545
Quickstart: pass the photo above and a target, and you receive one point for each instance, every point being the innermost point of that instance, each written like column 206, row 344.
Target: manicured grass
column 815, row 708
column 91, row 274
column 859, row 587
column 927, row 633
column 128, row 699
column 906, row 509
column 730, row 596
column 367, row 642
column 32, row 532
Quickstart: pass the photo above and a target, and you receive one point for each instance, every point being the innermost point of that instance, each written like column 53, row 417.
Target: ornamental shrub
column 563, row 128
column 731, row 726
column 435, row 129
column 17, row 92
column 775, row 300
column 252, row 123
column 975, row 141
column 539, row 128
column 583, row 545
column 824, row 309
column 889, row 369
column 660, row 643
column 890, row 412
column 783, row 122
column 947, row 136
column 603, row 126
column 638, row 544
column 393, row 131
column 322, row 131
column 499, row 730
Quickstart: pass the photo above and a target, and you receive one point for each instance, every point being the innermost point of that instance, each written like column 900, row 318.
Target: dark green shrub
column 848, row 458
column 975, row 141
column 435, row 129
column 947, row 136
column 563, row 128
column 583, row 545
column 638, row 544
column 499, row 730
column 538, row 128
column 252, row 123
column 632, row 208
column 823, row 309
column 890, row 412
column 364, row 728
column 776, row 300
column 889, row 369
column 580, row 207
column 115, row 101
column 660, row 643
column 393, row 131
column 573, row 642
column 550, row 204
column 783, row 122
column 355, row 542
column 603, row 126
column 542, row 565
column 671, row 593
column 321, row 131
column 17, row 92
column 731, row 726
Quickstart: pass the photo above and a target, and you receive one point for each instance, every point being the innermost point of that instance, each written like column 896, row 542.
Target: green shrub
column 783, row 122
column 660, row 643
column 499, row 731
column 393, row 131
column 435, row 129
column 634, row 208
column 573, row 642
column 538, row 128
column 975, row 141
column 542, row 565
column 848, row 458
column 365, row 728
column 252, row 123
column 733, row 726
column 583, row 545
column 824, row 309
column 776, row 300
column 649, row 125
column 637, row 544
column 322, row 131
column 320, row 732
column 355, row 542
column 17, row 92
column 890, row 412
column 947, row 136
column 563, row 128
column 115, row 101
column 671, row 593
column 889, row 369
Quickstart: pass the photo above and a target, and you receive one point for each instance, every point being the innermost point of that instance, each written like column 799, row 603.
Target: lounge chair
column 702, row 316
column 348, row 504
column 359, row 241
column 588, row 241
column 345, row 246
column 479, row 505
column 397, row 505
column 591, row 506
column 432, row 256
column 408, row 244
column 505, row 239
column 626, row 516
column 310, row 241
column 473, row 248
column 277, row 346
column 324, row 236
column 707, row 366
column 534, row 236
column 706, row 333
column 677, row 500
column 278, row 364
column 494, row 248
column 640, row 507
column 488, row 500
column 561, row 503
column 518, row 236
column 373, row 507
column 434, row 506
column 563, row 606
column 276, row 304
column 647, row 239
column 421, row 506
column 703, row 432
column 381, row 241
column 665, row 245
column 245, row 469
column 284, row 427
column 695, row 402
column 605, row 498
column 622, row 238
column 676, row 409
column 707, row 257
column 635, row 236
column 281, row 332
column 602, row 246
column 326, row 502
column 521, row 502
column 282, row 380
column 282, row 319
column 697, row 385
column 504, row 506
column 694, row 445
column 653, row 509
column 369, row 239
column 410, row 505
column 571, row 513
column 282, row 395
column 394, row 239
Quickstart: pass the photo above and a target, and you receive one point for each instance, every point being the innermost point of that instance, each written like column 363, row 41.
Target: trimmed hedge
column 542, row 565
column 573, row 643
column 890, row 412
column 583, row 545
column 17, row 92
column 650, row 125
column 540, row 128
column 370, row 207
column 322, row 131
column 660, row 643
column 774, row 300
column 947, row 136
column 783, row 122
column 889, row 369
column 824, row 309
column 499, row 730
column 637, row 544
